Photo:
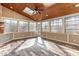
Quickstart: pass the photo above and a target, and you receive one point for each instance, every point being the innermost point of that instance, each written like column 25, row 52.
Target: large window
column 72, row 24
column 23, row 26
column 32, row 26
column 13, row 26
column 6, row 26
column 39, row 26
column 45, row 26
column 10, row 25
column 56, row 25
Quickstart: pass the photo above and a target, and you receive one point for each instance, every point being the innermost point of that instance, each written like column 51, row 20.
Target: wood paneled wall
column 11, row 14
column 62, row 37
column 0, row 11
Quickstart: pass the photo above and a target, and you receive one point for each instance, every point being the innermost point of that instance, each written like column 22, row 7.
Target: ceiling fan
column 34, row 10
column 38, row 9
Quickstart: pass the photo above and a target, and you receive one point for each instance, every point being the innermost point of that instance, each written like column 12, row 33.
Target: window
column 45, row 26
column 39, row 26
column 28, row 11
column 13, row 26
column 23, row 26
column 32, row 26
column 10, row 25
column 72, row 24
column 56, row 25
column 6, row 26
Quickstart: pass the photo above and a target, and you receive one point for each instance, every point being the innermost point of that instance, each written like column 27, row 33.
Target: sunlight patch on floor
column 40, row 40
column 30, row 42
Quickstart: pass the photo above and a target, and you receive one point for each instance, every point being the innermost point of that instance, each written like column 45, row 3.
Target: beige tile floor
column 9, row 47
column 38, row 47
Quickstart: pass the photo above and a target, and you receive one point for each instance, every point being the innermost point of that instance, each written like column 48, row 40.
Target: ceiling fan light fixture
column 46, row 15
column 77, row 5
column 11, row 7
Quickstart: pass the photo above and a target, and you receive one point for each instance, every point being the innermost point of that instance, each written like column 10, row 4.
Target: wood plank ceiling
column 55, row 10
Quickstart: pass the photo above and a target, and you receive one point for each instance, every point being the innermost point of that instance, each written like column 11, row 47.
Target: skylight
column 28, row 11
